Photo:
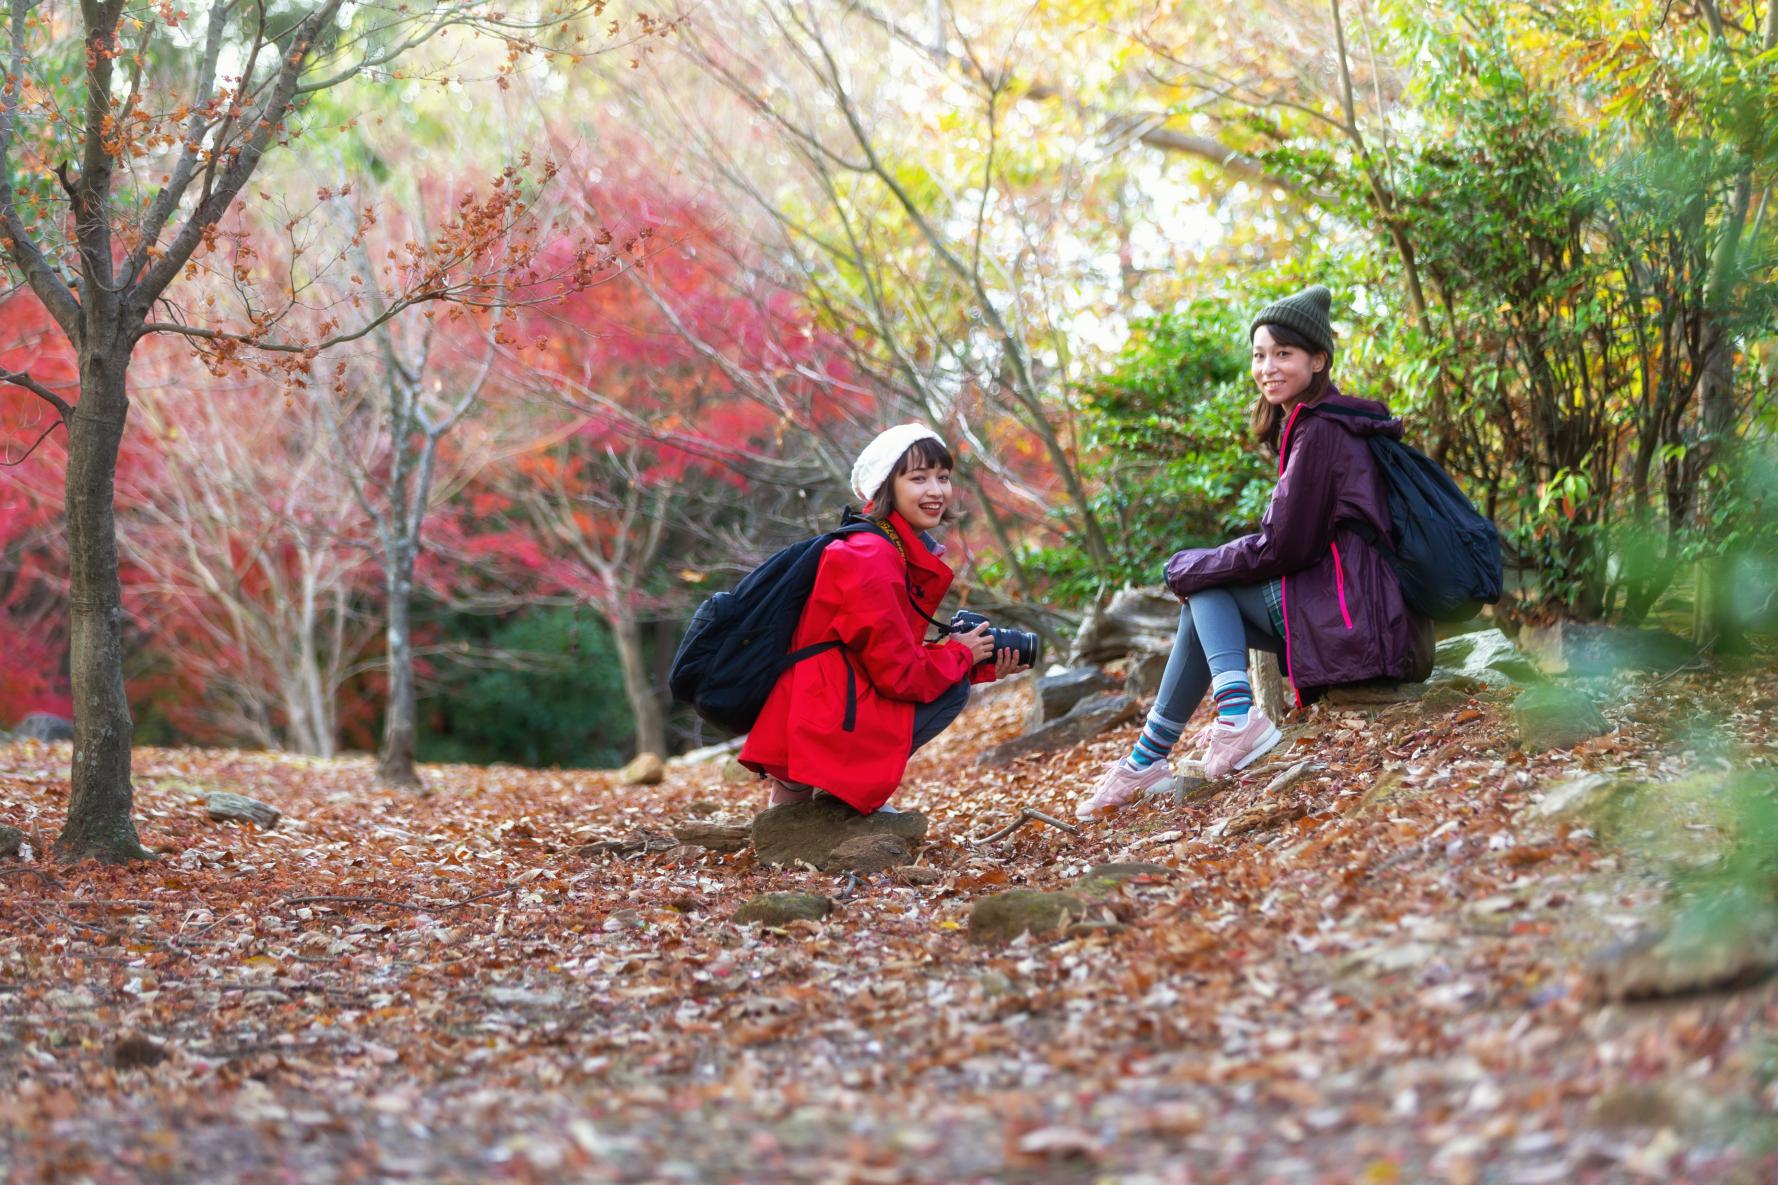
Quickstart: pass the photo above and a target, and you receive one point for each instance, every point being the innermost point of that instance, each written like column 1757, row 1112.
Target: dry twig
column 1026, row 815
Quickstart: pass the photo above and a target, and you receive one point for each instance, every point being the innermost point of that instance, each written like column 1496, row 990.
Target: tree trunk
column 1269, row 692
column 626, row 632
column 401, row 715
column 99, row 825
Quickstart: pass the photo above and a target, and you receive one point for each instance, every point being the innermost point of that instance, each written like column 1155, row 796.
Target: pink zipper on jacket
column 1283, row 583
column 1340, row 582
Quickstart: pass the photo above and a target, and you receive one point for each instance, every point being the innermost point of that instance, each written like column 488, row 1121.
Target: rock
column 1136, row 621
column 1739, row 948
column 1448, row 694
column 1656, row 1105
column 1102, row 879
column 1089, row 718
column 223, row 806
column 1583, row 648
column 1583, row 796
column 646, row 770
column 1551, row 717
column 1485, row 655
column 733, row 773
column 918, row 874
column 719, row 835
column 867, row 855
column 133, row 1051
column 810, row 831
column 778, row 909
column 44, row 726
column 11, row 839
column 1002, row 917
column 1386, row 959
column 1058, row 694
column 1377, row 692
column 1143, row 678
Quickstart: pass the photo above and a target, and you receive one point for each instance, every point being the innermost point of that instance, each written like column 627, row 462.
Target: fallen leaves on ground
column 1372, row 975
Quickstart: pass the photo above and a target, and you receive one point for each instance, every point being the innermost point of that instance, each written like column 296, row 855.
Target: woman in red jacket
column 1308, row 585
column 846, row 720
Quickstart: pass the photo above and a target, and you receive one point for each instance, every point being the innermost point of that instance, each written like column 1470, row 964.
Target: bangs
column 923, row 454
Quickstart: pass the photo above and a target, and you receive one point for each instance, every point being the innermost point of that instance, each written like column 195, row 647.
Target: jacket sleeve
column 878, row 635
column 1296, row 529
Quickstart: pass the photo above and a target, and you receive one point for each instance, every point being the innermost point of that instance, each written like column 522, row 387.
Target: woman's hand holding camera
column 980, row 641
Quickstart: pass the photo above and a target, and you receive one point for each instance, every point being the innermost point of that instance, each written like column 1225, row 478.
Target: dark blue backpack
column 738, row 643
column 1443, row 551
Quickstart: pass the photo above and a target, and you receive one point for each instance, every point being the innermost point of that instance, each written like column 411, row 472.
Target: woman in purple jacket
column 1306, row 586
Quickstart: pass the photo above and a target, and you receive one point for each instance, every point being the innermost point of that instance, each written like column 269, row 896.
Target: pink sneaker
column 1118, row 785
column 1237, row 748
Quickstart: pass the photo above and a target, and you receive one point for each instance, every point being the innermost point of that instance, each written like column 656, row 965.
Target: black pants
column 933, row 718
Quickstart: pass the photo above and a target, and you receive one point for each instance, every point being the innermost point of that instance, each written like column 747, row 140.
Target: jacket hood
column 1361, row 417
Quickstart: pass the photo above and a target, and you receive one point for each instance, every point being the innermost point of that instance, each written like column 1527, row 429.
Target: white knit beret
column 877, row 461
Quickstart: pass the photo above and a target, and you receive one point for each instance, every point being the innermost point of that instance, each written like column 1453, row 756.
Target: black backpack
column 738, row 643
column 1443, row 551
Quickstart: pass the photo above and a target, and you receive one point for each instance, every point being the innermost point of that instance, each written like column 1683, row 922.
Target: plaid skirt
column 1274, row 590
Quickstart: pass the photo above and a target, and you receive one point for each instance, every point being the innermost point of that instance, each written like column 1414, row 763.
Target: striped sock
column 1233, row 696
column 1159, row 735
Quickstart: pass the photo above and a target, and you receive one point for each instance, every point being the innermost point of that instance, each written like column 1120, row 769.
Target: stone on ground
column 1582, row 648
column 1102, row 879
column 1740, row 948
column 1002, row 917
column 778, row 909
column 810, row 831
column 867, row 855
column 646, row 770
column 918, row 874
column 1485, row 655
column 1088, row 719
column 1142, row 678
column 45, row 726
column 1374, row 693
column 1551, row 717
column 719, row 835
column 1058, row 694
column 223, row 806
column 11, row 839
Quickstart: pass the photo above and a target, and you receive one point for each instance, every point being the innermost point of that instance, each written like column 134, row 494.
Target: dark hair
column 1267, row 419
column 923, row 453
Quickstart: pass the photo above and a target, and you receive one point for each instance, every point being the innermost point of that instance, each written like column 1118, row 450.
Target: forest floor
column 1379, row 974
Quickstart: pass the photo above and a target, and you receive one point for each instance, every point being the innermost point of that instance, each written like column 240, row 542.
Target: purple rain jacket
column 1344, row 618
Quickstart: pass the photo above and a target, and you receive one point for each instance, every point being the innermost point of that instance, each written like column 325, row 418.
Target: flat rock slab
column 1375, row 693
column 1551, row 717
column 1002, row 917
column 867, row 855
column 1089, row 718
column 11, row 839
column 715, row 834
column 1058, row 694
column 224, row 807
column 1655, row 964
column 1584, row 648
column 810, row 831
column 778, row 909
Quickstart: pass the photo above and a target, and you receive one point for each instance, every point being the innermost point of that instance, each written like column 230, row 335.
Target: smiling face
column 921, row 495
column 1283, row 371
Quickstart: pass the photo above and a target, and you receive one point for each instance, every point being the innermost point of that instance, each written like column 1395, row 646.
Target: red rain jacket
column 860, row 598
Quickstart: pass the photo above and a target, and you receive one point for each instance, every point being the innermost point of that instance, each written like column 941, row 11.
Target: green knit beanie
column 1306, row 313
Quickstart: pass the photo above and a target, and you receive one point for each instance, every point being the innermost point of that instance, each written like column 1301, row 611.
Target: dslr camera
column 1024, row 642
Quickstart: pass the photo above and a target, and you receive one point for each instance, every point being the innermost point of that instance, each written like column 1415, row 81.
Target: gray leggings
column 1217, row 627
